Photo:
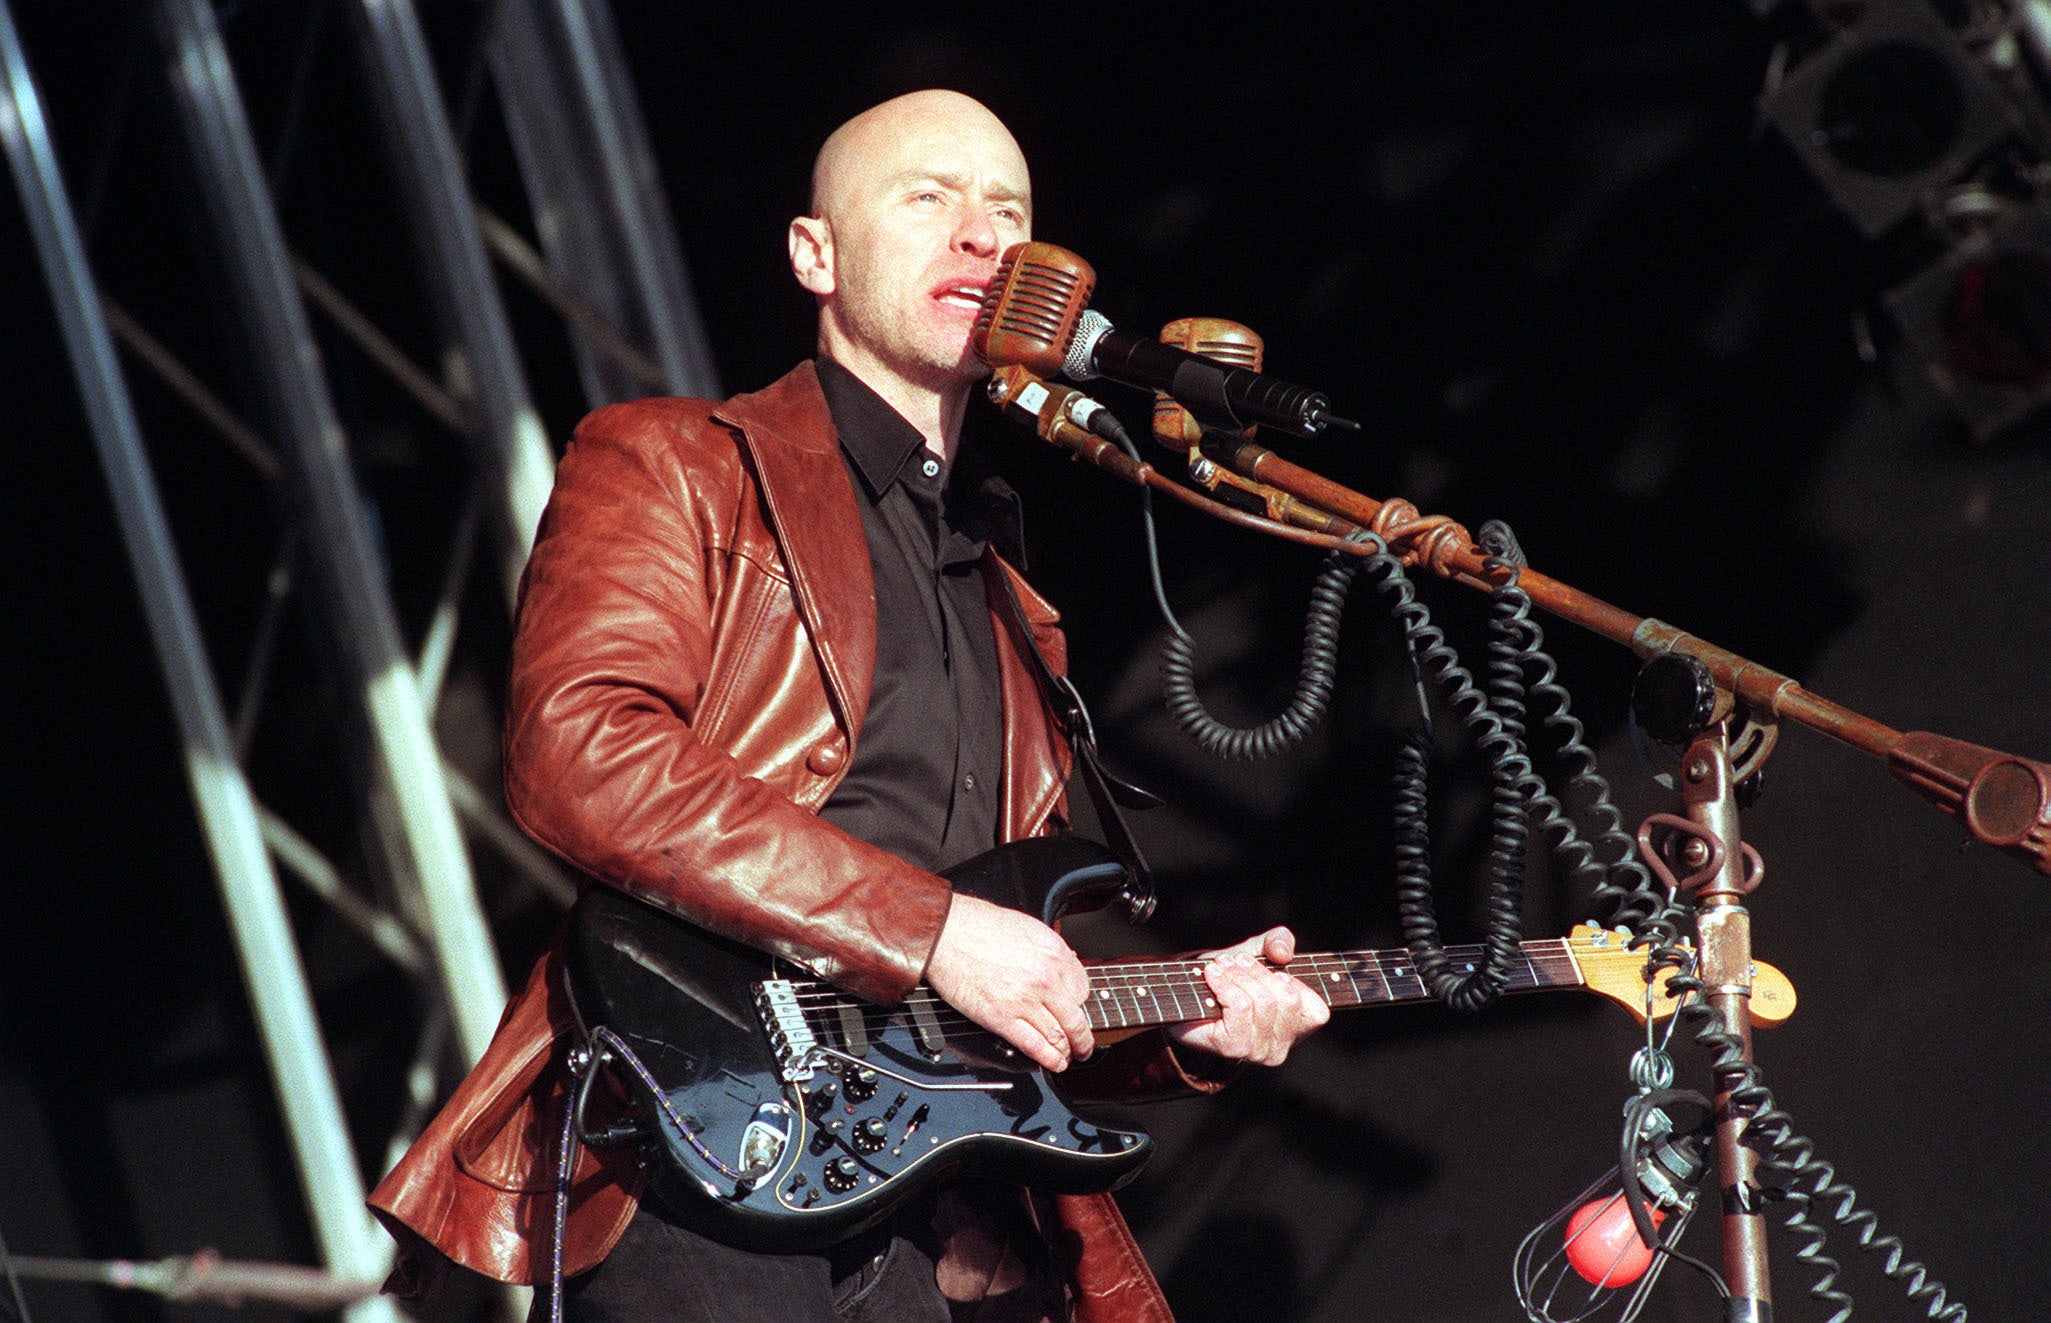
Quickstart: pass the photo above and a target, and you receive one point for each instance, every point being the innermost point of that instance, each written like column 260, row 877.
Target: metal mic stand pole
column 1721, row 877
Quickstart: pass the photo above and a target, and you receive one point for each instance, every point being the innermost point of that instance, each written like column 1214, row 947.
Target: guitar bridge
column 790, row 1036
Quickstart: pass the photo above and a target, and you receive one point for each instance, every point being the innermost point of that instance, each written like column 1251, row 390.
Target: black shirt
column 924, row 783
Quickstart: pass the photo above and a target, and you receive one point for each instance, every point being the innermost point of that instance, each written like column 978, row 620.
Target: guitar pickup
column 854, row 1029
column 932, row 1039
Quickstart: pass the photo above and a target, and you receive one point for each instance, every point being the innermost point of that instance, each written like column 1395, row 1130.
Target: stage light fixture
column 1890, row 110
column 1979, row 321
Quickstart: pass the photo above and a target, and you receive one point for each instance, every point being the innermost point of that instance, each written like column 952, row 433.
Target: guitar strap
column 1108, row 792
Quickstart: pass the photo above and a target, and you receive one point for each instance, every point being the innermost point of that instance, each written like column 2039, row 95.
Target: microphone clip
column 1068, row 418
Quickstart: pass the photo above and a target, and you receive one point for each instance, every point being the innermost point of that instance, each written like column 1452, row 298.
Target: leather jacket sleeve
column 660, row 647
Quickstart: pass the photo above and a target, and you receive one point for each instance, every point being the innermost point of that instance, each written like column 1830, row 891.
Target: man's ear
column 811, row 253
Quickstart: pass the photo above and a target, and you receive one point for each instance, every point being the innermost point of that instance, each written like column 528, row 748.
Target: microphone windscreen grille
column 993, row 296
column 1037, row 304
column 1089, row 328
column 1030, row 309
column 1227, row 351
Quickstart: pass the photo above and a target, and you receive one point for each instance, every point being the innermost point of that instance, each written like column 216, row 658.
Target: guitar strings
column 1142, row 987
column 1189, row 974
column 1129, row 976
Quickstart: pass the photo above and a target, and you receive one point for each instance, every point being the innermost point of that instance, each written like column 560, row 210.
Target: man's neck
column 936, row 413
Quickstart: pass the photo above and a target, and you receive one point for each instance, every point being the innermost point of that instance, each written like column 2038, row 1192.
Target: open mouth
column 962, row 295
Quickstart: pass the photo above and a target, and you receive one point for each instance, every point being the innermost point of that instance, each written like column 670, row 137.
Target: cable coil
column 1520, row 672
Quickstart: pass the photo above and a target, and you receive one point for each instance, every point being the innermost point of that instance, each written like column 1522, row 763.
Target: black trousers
column 664, row 1273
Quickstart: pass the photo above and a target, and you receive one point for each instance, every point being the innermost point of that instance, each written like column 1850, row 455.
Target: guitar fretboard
column 1143, row 994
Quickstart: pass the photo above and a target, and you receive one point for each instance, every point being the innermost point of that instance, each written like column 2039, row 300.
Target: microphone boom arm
column 1043, row 407
column 2003, row 799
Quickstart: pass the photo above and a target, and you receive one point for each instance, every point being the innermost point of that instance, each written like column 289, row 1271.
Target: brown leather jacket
column 696, row 640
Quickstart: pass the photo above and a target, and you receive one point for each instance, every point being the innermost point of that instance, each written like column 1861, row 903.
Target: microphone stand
column 2004, row 800
column 1722, row 870
column 1723, row 945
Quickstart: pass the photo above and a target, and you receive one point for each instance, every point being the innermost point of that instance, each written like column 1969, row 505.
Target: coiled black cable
column 1495, row 722
column 1791, row 1171
column 1306, row 707
column 1495, row 719
column 1654, row 917
column 1607, row 864
column 1519, row 669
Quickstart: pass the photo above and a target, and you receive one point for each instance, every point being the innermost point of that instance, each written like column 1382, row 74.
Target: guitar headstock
column 1609, row 966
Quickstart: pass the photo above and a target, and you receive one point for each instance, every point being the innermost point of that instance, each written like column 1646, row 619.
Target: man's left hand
column 1265, row 1011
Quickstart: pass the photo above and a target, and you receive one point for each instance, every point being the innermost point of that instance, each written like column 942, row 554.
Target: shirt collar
column 879, row 443
column 875, row 436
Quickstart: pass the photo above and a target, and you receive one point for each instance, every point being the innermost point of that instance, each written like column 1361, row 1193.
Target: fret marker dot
column 1143, row 990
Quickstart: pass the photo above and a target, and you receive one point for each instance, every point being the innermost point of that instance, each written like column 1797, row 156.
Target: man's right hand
column 1014, row 976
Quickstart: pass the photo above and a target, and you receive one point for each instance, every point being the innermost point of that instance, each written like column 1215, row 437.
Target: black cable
column 1806, row 1180
column 1495, row 723
column 1609, row 864
column 1624, row 886
column 1789, row 1168
column 1306, row 707
column 1520, row 669
column 1635, row 1147
column 1315, row 672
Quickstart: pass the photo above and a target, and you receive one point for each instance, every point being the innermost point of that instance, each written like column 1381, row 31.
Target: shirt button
column 931, row 468
column 969, row 782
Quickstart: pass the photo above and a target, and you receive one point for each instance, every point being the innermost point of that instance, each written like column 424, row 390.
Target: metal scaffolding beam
column 425, row 848
column 507, row 432
column 351, row 1246
column 598, row 206
column 608, row 266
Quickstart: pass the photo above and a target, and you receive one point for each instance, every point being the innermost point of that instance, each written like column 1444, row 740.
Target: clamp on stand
column 1703, row 859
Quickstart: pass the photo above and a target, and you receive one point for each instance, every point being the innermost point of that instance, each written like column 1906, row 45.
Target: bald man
column 765, row 677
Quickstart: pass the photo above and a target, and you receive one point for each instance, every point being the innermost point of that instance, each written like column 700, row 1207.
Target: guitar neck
column 1145, row 994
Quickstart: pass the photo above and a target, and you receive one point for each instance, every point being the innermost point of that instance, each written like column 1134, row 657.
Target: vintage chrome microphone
column 1209, row 337
column 1036, row 314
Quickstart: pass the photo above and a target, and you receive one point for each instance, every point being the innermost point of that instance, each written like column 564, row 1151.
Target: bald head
column 855, row 151
column 912, row 203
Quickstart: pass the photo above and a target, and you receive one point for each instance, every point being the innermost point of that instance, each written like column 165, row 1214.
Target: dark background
column 1553, row 259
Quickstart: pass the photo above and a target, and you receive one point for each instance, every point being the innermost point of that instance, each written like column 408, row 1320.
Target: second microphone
column 1036, row 314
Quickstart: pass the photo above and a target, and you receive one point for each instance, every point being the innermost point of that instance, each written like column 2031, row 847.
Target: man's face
column 918, row 198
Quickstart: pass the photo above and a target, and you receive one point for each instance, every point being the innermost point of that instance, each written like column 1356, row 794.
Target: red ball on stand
column 1603, row 1244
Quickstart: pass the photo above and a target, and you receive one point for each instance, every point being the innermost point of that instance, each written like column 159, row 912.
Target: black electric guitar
column 784, row 1114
